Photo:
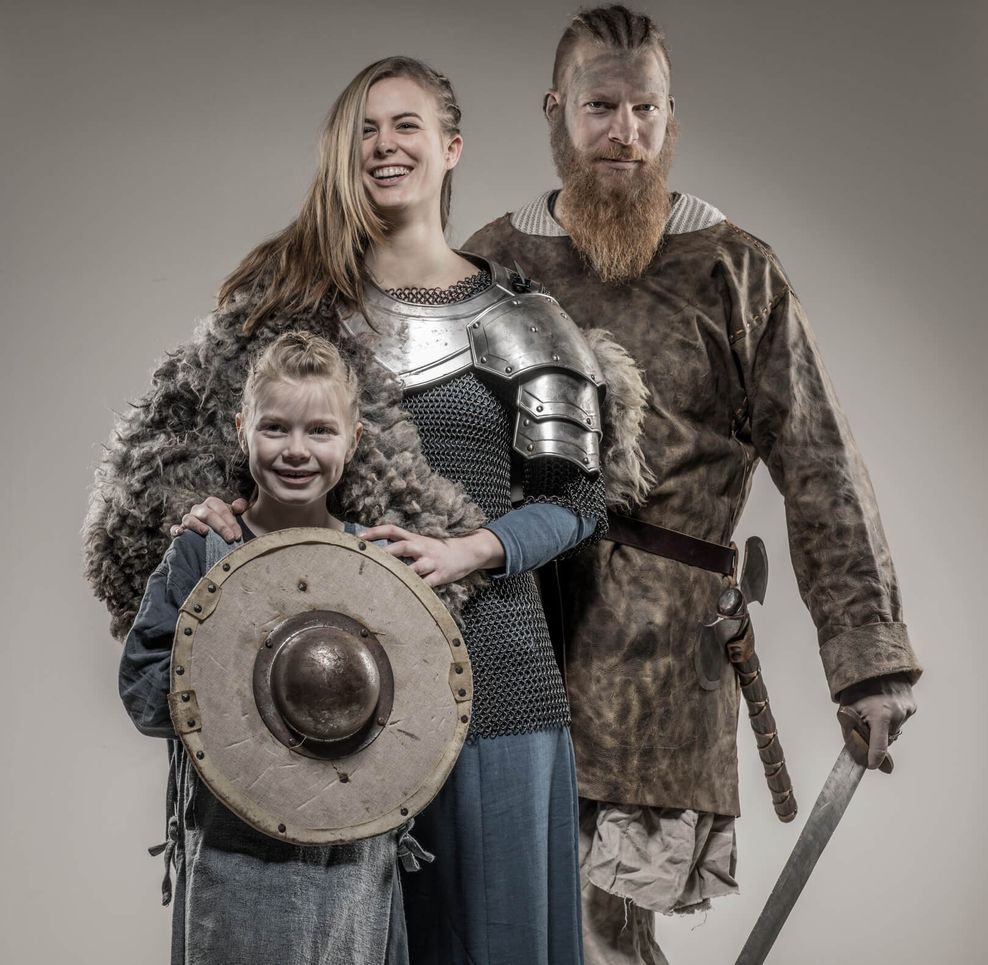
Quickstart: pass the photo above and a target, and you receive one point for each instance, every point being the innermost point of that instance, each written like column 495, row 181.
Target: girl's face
column 405, row 153
column 299, row 437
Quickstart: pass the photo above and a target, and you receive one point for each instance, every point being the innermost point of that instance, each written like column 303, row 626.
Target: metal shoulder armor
column 535, row 350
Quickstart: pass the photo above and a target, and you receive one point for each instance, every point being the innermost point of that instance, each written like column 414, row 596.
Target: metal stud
column 200, row 755
column 555, row 358
column 589, row 422
column 179, row 671
column 344, row 778
column 188, row 631
column 507, row 368
column 461, row 692
column 539, row 408
column 197, row 607
column 302, row 586
column 530, row 447
column 364, row 632
column 211, row 587
column 404, row 812
column 361, row 545
column 191, row 722
column 456, row 643
column 226, row 567
column 459, row 669
column 464, row 718
column 534, row 328
column 526, row 422
column 282, row 828
column 381, row 721
column 185, row 698
column 483, row 358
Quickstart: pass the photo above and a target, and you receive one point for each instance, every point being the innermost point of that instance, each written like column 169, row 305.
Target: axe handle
column 760, row 714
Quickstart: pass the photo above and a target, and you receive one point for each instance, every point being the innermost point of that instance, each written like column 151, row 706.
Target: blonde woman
column 367, row 262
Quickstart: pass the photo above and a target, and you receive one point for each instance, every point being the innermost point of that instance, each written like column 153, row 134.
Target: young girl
column 240, row 896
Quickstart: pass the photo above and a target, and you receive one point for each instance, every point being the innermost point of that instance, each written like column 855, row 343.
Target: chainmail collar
column 459, row 291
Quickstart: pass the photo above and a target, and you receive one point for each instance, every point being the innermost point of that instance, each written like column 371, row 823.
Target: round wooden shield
column 321, row 689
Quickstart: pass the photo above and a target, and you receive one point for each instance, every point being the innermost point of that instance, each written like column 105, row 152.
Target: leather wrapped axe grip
column 749, row 671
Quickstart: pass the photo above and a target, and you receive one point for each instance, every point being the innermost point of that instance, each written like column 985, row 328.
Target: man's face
column 616, row 107
column 612, row 135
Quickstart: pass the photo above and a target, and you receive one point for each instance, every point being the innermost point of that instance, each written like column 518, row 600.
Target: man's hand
column 213, row 514
column 884, row 704
column 441, row 561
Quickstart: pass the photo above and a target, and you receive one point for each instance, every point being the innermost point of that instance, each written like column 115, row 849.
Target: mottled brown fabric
column 735, row 376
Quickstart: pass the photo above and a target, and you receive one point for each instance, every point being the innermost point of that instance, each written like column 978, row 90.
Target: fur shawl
column 178, row 444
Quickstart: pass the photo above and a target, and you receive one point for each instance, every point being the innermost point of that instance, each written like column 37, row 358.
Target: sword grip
column 763, row 724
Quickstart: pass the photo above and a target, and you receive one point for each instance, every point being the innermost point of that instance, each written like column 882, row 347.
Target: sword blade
column 824, row 818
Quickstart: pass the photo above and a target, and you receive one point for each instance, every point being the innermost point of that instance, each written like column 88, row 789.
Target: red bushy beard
column 615, row 220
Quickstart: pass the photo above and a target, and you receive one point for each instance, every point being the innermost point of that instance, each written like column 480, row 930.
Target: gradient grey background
column 146, row 146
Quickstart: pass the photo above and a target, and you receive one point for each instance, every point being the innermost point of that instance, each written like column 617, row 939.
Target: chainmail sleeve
column 549, row 480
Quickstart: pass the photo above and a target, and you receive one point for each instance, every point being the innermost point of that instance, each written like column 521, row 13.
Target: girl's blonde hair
column 294, row 356
column 321, row 253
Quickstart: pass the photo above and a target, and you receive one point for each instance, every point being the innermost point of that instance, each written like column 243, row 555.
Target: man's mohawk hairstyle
column 614, row 26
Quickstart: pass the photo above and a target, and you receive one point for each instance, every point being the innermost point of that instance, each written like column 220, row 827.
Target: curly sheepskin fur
column 178, row 444
column 627, row 478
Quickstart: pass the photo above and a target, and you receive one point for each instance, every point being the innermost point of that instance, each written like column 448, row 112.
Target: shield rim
column 200, row 604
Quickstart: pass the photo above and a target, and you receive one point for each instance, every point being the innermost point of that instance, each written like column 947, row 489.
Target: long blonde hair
column 321, row 253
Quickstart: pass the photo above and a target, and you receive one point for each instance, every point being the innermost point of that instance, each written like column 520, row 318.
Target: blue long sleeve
column 145, row 664
column 536, row 533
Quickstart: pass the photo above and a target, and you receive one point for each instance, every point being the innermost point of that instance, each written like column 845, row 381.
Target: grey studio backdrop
column 146, row 146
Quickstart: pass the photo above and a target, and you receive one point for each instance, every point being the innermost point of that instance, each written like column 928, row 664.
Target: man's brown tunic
column 735, row 376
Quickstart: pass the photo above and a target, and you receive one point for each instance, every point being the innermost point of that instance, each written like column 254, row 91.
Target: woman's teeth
column 389, row 174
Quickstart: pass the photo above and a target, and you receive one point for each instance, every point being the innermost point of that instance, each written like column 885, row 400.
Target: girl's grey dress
column 241, row 897
column 504, row 888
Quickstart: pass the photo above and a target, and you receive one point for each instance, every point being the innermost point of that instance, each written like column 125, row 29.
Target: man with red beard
column 734, row 376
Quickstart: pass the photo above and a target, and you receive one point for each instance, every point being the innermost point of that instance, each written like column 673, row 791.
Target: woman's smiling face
column 405, row 153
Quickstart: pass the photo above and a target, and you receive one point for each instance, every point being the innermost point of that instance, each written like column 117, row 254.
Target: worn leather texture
column 735, row 377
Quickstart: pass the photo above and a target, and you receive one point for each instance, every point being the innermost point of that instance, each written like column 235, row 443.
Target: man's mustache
column 620, row 154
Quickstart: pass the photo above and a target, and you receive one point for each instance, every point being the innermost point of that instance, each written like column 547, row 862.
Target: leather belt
column 672, row 545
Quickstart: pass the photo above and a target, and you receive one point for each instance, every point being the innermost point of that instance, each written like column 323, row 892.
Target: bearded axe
column 732, row 630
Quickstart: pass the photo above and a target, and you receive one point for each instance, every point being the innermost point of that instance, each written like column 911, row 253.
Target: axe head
column 754, row 570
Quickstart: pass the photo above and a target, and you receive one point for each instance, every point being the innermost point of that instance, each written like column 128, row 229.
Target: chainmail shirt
column 466, row 432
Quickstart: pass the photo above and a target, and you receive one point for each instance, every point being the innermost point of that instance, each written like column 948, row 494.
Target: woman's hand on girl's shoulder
column 213, row 514
column 440, row 561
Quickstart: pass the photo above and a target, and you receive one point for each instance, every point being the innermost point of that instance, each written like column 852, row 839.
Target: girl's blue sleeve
column 536, row 533
column 145, row 665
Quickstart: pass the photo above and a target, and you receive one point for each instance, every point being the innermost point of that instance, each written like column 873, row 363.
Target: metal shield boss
column 320, row 688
